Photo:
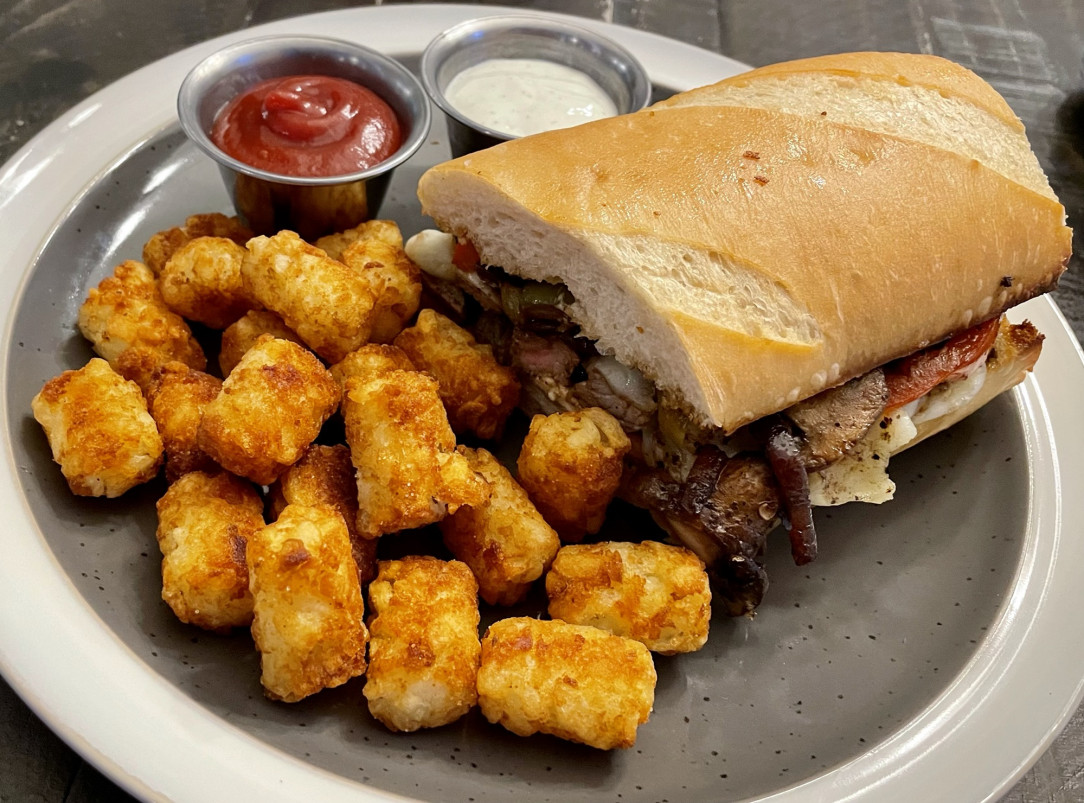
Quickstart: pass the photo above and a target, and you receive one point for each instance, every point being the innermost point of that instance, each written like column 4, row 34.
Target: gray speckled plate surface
column 914, row 622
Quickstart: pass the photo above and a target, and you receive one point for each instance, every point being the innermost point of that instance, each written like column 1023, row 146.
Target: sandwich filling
column 718, row 494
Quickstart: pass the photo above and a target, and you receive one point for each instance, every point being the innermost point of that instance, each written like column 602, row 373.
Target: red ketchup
column 307, row 126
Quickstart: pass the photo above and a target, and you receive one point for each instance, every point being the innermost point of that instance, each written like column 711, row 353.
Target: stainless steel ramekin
column 312, row 207
column 611, row 66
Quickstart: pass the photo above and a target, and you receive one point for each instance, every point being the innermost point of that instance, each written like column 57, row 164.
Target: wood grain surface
column 54, row 53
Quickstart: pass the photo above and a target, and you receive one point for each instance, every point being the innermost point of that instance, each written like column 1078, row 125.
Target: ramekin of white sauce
column 526, row 96
column 499, row 78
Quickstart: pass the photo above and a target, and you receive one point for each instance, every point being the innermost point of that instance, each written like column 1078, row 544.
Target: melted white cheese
column 432, row 251
column 948, row 397
column 862, row 475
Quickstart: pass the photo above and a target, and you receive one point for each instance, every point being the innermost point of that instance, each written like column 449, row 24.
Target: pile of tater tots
column 270, row 523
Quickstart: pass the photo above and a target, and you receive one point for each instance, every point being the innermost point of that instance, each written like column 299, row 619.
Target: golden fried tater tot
column 505, row 540
column 384, row 230
column 570, row 465
column 574, row 682
column 160, row 247
column 325, row 476
column 329, row 305
column 175, row 399
column 204, row 524
column 202, row 282
column 309, row 622
column 242, row 334
column 270, row 408
column 423, row 657
column 128, row 323
column 408, row 470
column 395, row 283
column 215, row 224
column 99, row 430
column 654, row 593
column 478, row 392
column 370, row 360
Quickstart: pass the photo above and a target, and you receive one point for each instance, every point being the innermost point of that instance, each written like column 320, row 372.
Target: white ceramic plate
column 932, row 652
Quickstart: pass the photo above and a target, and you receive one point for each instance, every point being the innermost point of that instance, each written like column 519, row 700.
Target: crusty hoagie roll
column 738, row 267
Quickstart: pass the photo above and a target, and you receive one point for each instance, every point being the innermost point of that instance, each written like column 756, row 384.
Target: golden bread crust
column 749, row 257
column 932, row 72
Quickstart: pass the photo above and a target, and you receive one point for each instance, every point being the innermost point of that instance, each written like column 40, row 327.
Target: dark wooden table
column 56, row 52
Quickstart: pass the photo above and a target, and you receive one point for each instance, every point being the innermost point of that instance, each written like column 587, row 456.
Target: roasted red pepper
column 915, row 376
column 465, row 256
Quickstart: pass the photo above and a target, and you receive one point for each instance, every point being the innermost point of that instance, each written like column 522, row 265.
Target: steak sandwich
column 775, row 283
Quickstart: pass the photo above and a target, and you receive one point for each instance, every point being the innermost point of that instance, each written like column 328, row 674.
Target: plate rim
column 67, row 157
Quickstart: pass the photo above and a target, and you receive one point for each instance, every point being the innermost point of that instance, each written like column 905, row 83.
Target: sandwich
column 775, row 282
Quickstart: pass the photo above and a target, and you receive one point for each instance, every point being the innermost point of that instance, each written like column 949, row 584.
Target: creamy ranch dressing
column 526, row 96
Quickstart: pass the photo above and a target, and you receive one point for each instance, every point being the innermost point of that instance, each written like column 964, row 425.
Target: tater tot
column 309, row 617
column 652, row 592
column 270, row 408
column 394, row 281
column 160, row 247
column 571, row 681
column 478, row 392
column 384, row 230
column 99, row 430
column 504, row 541
column 175, row 399
column 570, row 465
column 201, row 282
column 128, row 323
column 370, row 360
column 408, row 470
column 423, row 657
column 215, row 224
column 204, row 524
column 326, row 303
column 325, row 476
column 242, row 334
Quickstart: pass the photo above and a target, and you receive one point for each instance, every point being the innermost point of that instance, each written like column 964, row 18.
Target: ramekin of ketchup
column 308, row 125
column 306, row 131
